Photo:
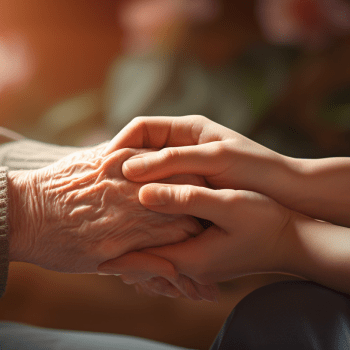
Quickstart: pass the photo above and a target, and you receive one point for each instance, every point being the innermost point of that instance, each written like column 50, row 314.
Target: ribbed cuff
column 4, row 243
column 28, row 154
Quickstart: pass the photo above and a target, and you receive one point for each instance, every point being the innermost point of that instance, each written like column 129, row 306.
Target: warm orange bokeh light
column 16, row 65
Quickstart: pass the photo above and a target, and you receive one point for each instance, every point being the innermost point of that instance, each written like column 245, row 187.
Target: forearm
column 319, row 188
column 317, row 251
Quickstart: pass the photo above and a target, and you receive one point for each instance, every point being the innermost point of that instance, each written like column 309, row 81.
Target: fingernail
column 135, row 167
column 159, row 195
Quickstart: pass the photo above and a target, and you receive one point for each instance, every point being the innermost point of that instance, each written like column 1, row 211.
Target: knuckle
column 138, row 123
column 139, row 120
column 169, row 154
column 235, row 198
column 121, row 154
column 186, row 196
column 199, row 118
column 221, row 150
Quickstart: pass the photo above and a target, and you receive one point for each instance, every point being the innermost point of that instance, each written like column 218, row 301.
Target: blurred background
column 76, row 72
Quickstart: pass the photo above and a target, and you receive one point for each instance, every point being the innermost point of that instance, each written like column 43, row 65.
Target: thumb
column 202, row 202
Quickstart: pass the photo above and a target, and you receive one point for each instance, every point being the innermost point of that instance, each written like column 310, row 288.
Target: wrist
column 277, row 177
column 320, row 188
column 318, row 251
column 291, row 254
column 288, row 183
column 19, row 212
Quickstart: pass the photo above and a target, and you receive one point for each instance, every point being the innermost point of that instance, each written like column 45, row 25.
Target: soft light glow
column 309, row 23
column 15, row 62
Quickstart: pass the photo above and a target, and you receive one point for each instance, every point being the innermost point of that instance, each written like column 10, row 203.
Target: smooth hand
column 247, row 237
column 317, row 188
column 196, row 145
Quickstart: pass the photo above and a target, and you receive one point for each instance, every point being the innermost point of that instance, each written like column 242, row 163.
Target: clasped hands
column 127, row 207
column 248, row 229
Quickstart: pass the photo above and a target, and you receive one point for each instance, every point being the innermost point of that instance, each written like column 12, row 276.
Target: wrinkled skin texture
column 81, row 211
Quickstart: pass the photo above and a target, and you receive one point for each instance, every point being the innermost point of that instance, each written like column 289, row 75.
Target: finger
column 153, row 286
column 185, row 179
column 183, row 285
column 161, row 286
column 208, row 292
column 186, row 287
column 141, row 266
column 199, row 258
column 137, row 267
column 142, row 289
column 205, row 203
column 112, row 163
column 207, row 160
column 162, row 132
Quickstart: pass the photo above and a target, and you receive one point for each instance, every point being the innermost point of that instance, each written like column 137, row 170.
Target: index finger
column 160, row 132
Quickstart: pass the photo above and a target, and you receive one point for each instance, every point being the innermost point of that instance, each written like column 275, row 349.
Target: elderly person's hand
column 79, row 212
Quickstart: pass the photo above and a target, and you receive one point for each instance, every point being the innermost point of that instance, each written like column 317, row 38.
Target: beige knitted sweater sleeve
column 18, row 153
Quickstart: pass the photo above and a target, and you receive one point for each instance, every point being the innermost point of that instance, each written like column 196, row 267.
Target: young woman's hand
column 197, row 145
column 318, row 188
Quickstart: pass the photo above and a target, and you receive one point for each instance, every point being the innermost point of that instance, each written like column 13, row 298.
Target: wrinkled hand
column 80, row 211
column 247, row 237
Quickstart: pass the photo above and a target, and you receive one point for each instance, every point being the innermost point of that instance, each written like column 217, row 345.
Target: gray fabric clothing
column 22, row 337
column 4, row 244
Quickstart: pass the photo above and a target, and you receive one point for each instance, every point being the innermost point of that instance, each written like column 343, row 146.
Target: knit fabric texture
column 28, row 154
column 4, row 244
